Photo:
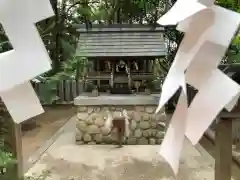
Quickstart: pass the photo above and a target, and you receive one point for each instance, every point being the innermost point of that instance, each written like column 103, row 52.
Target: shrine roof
column 121, row 41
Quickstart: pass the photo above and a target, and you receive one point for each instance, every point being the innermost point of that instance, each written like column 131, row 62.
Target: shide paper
column 216, row 93
column 28, row 58
column 205, row 42
column 26, row 101
column 172, row 144
column 232, row 103
column 184, row 9
column 190, row 45
column 181, row 10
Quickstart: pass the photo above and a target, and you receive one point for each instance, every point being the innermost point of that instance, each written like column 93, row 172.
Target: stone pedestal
column 145, row 126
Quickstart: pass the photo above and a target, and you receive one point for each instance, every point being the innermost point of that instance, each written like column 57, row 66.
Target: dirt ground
column 71, row 162
column 47, row 124
column 67, row 161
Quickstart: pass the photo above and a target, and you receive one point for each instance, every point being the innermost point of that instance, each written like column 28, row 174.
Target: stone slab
column 104, row 99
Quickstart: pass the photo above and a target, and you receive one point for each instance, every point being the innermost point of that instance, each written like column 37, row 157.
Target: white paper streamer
column 204, row 45
column 216, row 93
column 181, row 10
column 172, row 144
column 21, row 99
column 28, row 58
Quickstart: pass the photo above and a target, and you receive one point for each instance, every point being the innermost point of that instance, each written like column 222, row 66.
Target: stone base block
column 145, row 126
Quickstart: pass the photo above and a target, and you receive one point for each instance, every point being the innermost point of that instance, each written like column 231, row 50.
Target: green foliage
column 4, row 129
column 72, row 69
column 3, row 125
column 233, row 5
column 233, row 54
column 48, row 92
column 6, row 158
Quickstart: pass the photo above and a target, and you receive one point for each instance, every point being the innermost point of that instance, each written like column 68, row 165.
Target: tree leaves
column 6, row 158
column 68, row 49
column 233, row 54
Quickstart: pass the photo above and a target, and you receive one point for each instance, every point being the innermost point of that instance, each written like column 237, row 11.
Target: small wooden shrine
column 121, row 56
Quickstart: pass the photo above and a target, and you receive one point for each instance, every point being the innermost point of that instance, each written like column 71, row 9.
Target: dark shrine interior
column 121, row 75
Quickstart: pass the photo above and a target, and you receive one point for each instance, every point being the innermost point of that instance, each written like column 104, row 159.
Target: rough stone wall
column 145, row 127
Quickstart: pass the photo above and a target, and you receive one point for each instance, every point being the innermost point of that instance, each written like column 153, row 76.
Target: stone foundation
column 145, row 127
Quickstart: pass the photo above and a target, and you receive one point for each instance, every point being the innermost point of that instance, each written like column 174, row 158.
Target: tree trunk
column 114, row 10
column 118, row 18
column 55, row 53
column 61, row 27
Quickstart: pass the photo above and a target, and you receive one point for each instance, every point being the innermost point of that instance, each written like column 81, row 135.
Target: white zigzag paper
column 28, row 58
column 199, row 54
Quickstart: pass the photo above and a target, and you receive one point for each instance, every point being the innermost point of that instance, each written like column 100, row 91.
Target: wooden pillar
column 15, row 147
column 223, row 159
column 238, row 145
column 111, row 81
column 98, row 73
column 150, row 65
column 144, row 65
column 129, row 75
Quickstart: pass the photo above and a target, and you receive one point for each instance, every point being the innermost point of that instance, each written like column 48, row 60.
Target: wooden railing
column 65, row 90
